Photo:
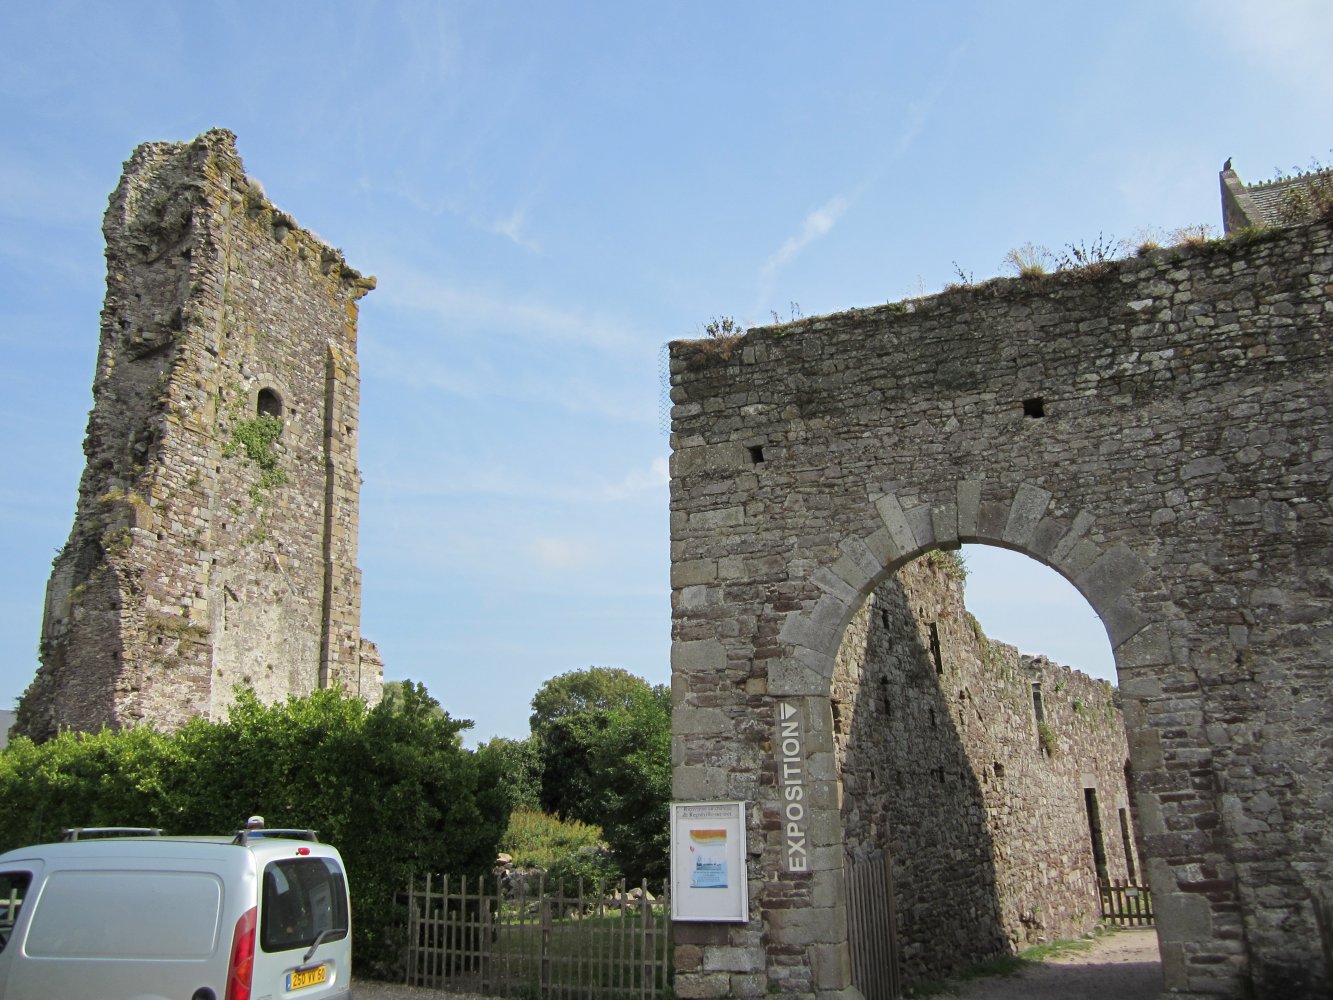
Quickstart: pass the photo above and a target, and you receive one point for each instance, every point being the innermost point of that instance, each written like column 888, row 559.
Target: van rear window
column 13, row 888
column 126, row 914
column 302, row 897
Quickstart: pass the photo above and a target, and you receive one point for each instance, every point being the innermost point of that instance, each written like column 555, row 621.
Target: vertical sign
column 790, row 748
column 708, row 877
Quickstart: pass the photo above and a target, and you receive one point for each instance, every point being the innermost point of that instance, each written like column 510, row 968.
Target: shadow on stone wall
column 908, row 790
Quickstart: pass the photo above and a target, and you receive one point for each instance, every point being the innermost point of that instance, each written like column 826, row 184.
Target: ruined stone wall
column 1157, row 430
column 205, row 554
column 943, row 767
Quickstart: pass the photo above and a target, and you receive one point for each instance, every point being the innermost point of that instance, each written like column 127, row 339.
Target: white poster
column 708, row 879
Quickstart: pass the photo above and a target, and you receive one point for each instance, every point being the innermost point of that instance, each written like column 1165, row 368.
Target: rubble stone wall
column 982, row 811
column 203, row 554
column 1158, row 431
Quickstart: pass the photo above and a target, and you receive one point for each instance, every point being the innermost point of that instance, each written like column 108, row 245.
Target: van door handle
column 204, row 993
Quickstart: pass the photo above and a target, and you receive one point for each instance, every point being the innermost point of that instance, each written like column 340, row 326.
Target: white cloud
column 461, row 307
column 562, row 553
column 816, row 226
column 511, row 228
column 1287, row 38
column 449, row 477
column 918, row 111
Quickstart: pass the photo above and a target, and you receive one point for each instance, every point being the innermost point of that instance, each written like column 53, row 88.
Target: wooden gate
column 1126, row 903
column 872, row 930
column 463, row 935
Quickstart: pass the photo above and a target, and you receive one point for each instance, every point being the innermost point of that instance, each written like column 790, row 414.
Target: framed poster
column 708, row 878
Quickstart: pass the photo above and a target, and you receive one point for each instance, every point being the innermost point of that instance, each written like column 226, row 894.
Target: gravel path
column 1122, row 966
column 369, row 989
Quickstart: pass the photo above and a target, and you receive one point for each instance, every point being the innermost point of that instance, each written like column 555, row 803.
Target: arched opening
column 268, row 403
column 982, row 784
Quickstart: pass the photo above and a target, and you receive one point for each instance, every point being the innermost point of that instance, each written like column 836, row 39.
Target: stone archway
column 1158, row 432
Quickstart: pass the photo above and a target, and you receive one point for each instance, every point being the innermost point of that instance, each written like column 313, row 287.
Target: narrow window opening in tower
column 269, row 404
column 1095, row 834
column 1035, row 407
column 1036, row 704
column 935, row 653
column 756, row 453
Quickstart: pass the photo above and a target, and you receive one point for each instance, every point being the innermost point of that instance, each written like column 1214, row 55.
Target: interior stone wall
column 1157, row 430
column 944, row 768
column 190, row 570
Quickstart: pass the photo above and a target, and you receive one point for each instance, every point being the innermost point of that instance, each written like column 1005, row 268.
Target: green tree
column 632, row 759
column 596, row 689
column 518, row 767
column 604, row 736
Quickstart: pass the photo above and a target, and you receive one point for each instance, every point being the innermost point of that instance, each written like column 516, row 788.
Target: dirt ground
column 1121, row 966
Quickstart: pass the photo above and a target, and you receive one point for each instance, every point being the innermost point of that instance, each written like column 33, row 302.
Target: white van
column 262, row 915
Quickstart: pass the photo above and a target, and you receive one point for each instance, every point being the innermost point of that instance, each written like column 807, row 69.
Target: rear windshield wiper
column 319, row 938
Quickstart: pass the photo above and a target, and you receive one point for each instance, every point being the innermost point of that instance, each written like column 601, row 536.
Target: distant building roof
column 1263, row 204
column 6, row 720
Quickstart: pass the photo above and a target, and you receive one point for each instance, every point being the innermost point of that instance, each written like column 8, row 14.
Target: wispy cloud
column 562, row 553
column 449, row 478
column 818, row 224
column 465, row 309
column 576, row 388
column 919, row 111
column 511, row 228
column 1289, row 40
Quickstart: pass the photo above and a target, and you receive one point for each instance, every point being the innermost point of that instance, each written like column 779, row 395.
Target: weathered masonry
column 214, row 542
column 1158, row 431
column 991, row 784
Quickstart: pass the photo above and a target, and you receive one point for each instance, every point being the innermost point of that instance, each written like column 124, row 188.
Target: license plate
column 302, row 978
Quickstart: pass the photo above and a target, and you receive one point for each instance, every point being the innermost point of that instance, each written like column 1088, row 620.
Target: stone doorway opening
column 982, row 789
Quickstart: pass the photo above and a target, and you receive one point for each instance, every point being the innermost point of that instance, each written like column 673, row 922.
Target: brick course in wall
column 189, row 570
column 1158, row 431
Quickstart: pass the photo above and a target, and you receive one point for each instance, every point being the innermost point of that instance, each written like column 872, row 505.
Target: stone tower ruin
column 214, row 542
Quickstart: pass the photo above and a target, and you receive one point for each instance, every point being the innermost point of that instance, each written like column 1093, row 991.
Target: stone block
column 969, row 508
column 694, row 986
column 731, row 959
column 895, row 522
column 1028, row 508
column 1112, row 576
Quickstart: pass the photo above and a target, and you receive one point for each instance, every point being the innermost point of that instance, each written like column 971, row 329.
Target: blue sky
column 548, row 193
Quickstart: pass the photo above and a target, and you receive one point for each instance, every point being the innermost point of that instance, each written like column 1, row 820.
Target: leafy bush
column 391, row 787
column 539, row 840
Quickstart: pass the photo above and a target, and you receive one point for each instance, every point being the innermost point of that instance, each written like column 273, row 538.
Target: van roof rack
column 243, row 837
column 94, row 832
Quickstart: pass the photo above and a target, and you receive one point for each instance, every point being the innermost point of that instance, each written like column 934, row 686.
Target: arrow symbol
column 787, row 711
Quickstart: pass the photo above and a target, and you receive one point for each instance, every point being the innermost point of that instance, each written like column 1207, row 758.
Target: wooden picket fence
column 1126, row 903
column 466, row 935
column 872, row 927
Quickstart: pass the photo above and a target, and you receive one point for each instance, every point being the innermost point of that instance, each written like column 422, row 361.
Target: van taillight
column 242, row 968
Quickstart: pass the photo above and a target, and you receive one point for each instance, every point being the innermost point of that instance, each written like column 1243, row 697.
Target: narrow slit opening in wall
column 756, row 453
column 1095, row 834
column 935, row 653
column 1034, row 407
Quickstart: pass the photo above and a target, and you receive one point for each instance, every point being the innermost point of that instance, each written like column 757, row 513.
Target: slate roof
column 1261, row 204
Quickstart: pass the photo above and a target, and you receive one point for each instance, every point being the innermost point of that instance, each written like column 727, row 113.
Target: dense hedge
column 391, row 787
